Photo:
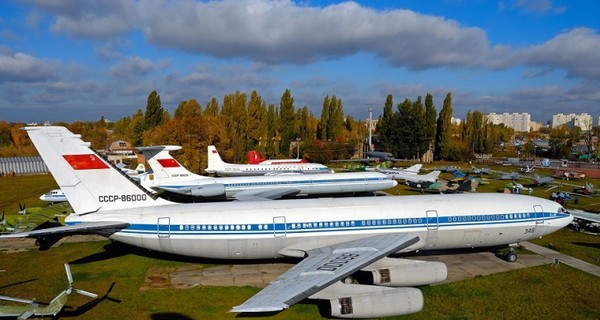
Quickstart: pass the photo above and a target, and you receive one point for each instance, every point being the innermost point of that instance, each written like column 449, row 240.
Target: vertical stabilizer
column 89, row 182
column 254, row 157
column 163, row 165
column 215, row 163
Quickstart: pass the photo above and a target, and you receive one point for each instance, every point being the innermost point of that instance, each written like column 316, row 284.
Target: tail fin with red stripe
column 89, row 182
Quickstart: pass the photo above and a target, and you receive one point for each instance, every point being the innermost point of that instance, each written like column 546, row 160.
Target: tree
column 257, row 122
column 324, row 118
column 272, row 148
column 287, row 116
column 154, row 111
column 188, row 109
column 430, row 120
column 212, row 107
column 234, row 117
column 443, row 130
column 386, row 126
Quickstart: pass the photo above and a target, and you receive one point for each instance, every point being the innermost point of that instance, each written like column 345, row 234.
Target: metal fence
column 22, row 165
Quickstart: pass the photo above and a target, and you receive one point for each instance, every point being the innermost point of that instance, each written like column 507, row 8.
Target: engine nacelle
column 407, row 273
column 393, row 302
column 208, row 190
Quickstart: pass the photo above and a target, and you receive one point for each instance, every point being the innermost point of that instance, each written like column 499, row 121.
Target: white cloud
column 132, row 67
column 23, row 67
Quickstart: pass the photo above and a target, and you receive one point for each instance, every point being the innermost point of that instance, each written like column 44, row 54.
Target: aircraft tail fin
column 414, row 168
column 215, row 162
column 163, row 165
column 433, row 175
column 254, row 157
column 141, row 168
column 89, row 182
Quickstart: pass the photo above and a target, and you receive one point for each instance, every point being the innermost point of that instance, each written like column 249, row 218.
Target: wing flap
column 323, row 267
column 85, row 227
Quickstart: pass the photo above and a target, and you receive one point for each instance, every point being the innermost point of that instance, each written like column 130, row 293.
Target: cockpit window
column 562, row 210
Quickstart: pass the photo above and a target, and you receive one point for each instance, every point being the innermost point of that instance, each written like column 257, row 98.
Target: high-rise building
column 517, row 121
column 582, row 120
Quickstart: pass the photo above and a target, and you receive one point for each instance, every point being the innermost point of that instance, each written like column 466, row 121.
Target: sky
column 68, row 60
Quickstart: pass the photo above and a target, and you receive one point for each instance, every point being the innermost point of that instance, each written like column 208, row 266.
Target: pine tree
column 386, row 125
column 324, row 119
column 430, row 120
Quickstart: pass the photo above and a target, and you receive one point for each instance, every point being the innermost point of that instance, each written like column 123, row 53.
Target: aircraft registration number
column 122, row 198
column 337, row 262
column 529, row 230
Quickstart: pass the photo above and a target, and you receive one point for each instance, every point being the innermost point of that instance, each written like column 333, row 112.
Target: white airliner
column 217, row 166
column 170, row 175
column 335, row 237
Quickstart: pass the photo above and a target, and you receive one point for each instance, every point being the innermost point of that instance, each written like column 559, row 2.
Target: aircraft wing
column 85, row 227
column 321, row 268
column 589, row 216
column 272, row 194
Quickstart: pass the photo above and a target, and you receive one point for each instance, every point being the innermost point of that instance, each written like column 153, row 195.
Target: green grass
column 545, row 292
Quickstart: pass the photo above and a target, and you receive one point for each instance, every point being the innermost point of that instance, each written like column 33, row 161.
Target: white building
column 517, row 121
column 582, row 120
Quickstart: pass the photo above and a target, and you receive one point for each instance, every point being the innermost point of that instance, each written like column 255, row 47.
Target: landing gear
column 508, row 255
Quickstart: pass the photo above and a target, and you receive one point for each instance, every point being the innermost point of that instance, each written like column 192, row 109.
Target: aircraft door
column 432, row 222
column 279, row 228
column 163, row 227
column 539, row 219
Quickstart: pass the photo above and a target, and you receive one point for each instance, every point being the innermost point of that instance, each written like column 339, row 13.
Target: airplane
column 255, row 158
column 54, row 196
column 481, row 170
column 217, row 166
column 169, row 175
column 585, row 220
column 334, row 237
column 541, row 180
column 515, row 187
column 587, row 190
column 373, row 156
column 141, row 168
column 509, row 176
column 446, row 186
column 410, row 176
column 527, row 169
column 40, row 309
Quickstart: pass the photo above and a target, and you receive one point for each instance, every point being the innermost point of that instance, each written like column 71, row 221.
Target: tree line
column 409, row 129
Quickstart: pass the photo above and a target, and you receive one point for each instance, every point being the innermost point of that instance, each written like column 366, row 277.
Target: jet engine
column 207, row 190
column 387, row 302
column 403, row 273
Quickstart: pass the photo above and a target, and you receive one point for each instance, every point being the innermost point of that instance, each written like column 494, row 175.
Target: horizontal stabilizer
column 85, row 227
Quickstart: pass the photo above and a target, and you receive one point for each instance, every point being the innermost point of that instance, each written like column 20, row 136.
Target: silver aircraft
column 335, row 237
column 169, row 175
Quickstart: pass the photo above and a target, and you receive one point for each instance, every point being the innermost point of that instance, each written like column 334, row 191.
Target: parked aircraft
column 335, row 237
column 527, row 169
column 409, row 175
column 476, row 170
column 509, row 176
column 587, row 189
column 255, row 158
column 541, row 180
column 54, row 196
column 169, row 175
column 586, row 220
column 39, row 309
column 446, row 186
column 217, row 166
column 373, row 156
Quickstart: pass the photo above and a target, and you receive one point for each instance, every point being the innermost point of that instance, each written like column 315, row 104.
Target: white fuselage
column 305, row 184
column 267, row 229
column 232, row 170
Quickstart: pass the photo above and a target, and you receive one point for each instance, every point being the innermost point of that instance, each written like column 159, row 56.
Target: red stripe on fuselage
column 85, row 161
column 168, row 163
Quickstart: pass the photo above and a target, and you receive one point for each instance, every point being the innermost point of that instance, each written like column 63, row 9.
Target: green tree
column 212, row 107
column 287, row 115
column 188, row 109
column 443, row 130
column 257, row 123
column 386, row 127
column 430, row 120
column 234, row 116
column 324, row 118
column 272, row 148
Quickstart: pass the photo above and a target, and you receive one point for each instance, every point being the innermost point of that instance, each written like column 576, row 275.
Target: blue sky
column 67, row 60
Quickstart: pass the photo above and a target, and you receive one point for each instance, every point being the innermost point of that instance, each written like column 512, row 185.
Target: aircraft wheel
column 510, row 256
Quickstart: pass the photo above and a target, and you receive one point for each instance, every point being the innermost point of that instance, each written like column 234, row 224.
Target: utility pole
column 370, row 128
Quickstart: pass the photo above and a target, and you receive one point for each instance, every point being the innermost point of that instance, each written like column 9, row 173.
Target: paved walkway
column 562, row 258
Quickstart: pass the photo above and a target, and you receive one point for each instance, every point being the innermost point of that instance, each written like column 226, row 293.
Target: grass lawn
column 545, row 292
